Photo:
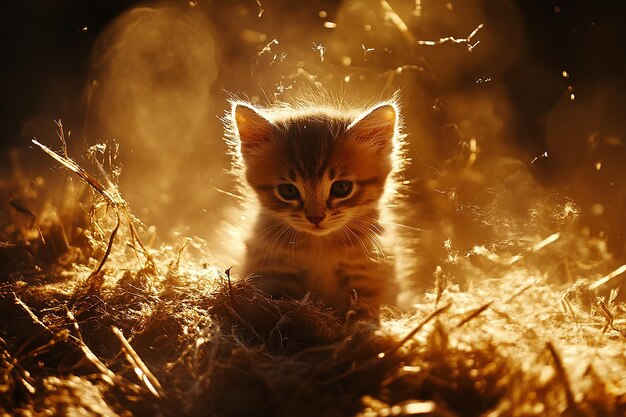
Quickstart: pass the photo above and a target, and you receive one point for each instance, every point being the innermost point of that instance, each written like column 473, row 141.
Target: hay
column 153, row 331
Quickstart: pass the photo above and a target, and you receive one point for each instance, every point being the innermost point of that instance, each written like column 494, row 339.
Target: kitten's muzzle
column 316, row 220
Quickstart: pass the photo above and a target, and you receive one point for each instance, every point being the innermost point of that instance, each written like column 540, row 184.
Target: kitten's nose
column 316, row 219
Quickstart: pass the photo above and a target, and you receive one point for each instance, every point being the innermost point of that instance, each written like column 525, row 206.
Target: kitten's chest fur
column 319, row 261
column 333, row 268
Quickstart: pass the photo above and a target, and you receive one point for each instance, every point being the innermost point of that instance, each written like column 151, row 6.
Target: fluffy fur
column 311, row 234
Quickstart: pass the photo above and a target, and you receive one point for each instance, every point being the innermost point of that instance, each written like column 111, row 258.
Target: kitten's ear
column 253, row 129
column 377, row 127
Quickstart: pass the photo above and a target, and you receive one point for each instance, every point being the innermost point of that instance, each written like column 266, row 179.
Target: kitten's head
column 318, row 171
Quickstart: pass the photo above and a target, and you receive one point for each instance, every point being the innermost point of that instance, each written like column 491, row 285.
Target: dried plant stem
column 110, row 194
column 607, row 314
column 562, row 374
column 175, row 264
column 107, row 375
column 13, row 366
column 130, row 220
column 475, row 313
column 607, row 278
column 419, row 327
column 440, row 284
column 61, row 135
column 31, row 314
column 25, row 211
column 519, row 292
column 109, row 246
column 142, row 371
column 78, row 170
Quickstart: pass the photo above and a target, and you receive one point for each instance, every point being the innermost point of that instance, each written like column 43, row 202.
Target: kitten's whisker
column 262, row 222
column 264, row 241
column 344, row 229
column 374, row 234
column 370, row 229
column 269, row 230
column 272, row 241
column 296, row 233
column 286, row 239
column 280, row 241
column 269, row 226
column 371, row 221
column 377, row 249
column 343, row 239
column 290, row 243
column 377, row 228
column 360, row 241
column 373, row 238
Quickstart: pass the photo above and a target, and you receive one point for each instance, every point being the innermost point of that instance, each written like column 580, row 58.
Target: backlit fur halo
column 324, row 107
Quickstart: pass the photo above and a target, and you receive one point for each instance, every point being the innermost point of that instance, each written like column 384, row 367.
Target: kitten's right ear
column 253, row 129
column 377, row 127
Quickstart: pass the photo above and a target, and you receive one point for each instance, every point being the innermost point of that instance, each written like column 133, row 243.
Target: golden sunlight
column 330, row 208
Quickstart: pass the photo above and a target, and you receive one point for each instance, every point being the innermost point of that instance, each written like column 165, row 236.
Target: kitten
column 322, row 176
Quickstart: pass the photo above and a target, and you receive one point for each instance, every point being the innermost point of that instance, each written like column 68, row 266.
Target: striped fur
column 345, row 256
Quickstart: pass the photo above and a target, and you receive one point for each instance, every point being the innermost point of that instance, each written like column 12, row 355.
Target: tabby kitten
column 322, row 177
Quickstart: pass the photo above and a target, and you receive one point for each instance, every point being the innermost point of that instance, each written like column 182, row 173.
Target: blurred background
column 514, row 110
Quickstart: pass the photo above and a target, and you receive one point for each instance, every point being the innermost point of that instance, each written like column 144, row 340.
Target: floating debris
column 545, row 242
column 280, row 88
column 391, row 15
column 319, row 48
column 536, row 158
column 452, row 39
column 619, row 271
column 261, row 9
column 417, row 11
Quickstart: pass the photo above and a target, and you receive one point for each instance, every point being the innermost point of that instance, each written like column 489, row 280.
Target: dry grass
column 155, row 331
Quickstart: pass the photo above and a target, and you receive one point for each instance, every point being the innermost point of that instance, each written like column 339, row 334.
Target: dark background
column 44, row 57
column 44, row 60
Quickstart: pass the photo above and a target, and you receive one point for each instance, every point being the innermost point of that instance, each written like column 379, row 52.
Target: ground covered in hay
column 95, row 321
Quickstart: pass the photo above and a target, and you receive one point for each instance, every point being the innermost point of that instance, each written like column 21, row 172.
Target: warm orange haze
column 328, row 208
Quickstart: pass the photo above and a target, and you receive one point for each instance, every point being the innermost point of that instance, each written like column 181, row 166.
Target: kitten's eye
column 340, row 188
column 288, row 191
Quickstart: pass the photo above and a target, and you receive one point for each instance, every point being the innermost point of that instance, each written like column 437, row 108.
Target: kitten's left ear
column 253, row 129
column 377, row 127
